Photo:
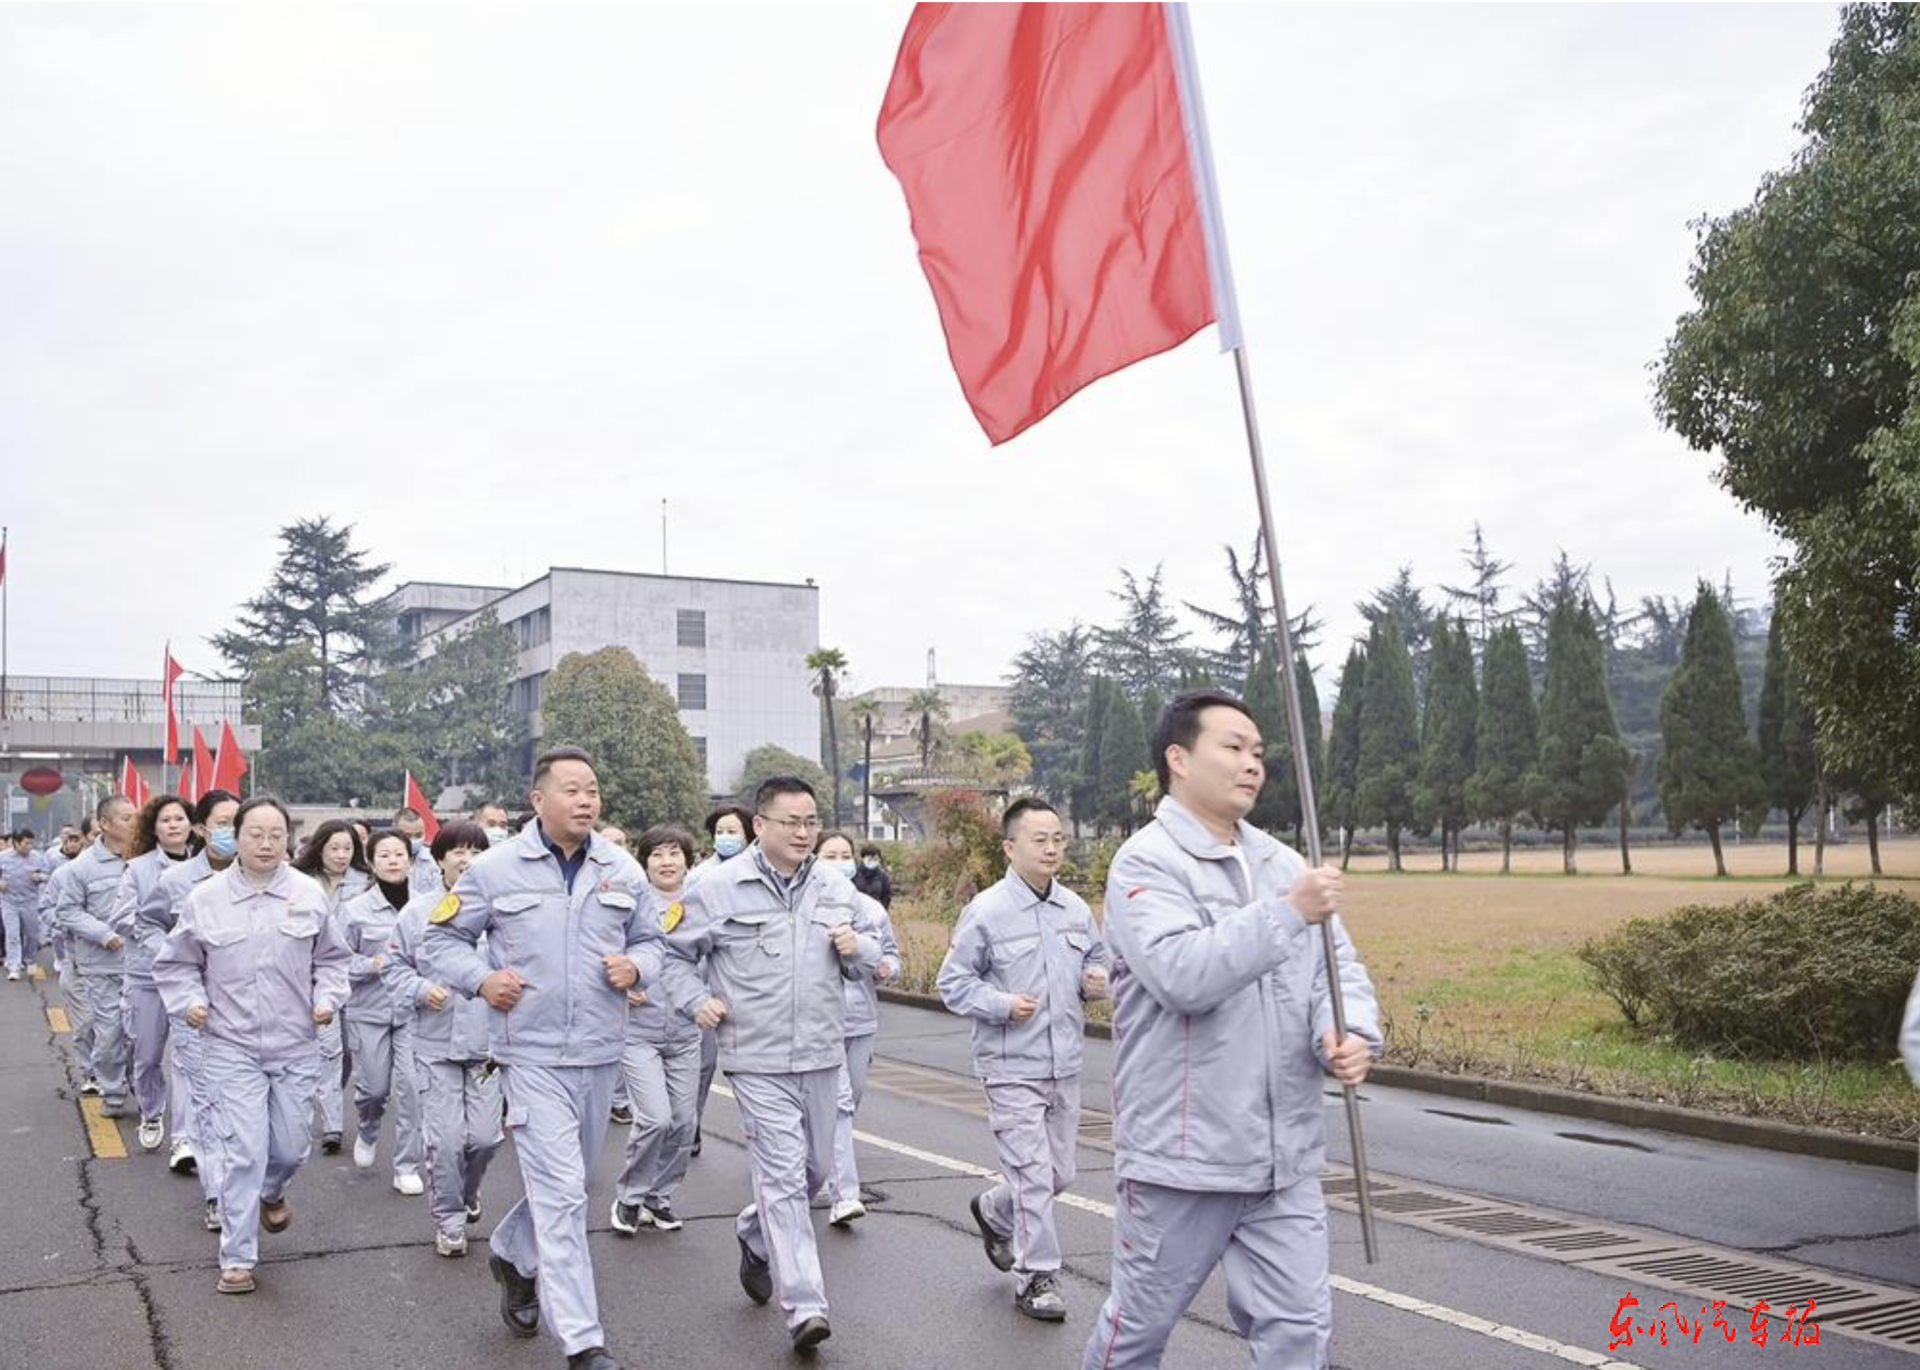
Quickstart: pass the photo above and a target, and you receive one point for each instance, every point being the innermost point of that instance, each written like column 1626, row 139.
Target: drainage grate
column 1503, row 1223
column 1418, row 1201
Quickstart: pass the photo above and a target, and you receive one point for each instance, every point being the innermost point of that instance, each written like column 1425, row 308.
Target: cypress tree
column 1446, row 737
column 1789, row 771
column 1389, row 736
column 1283, row 760
column 1086, row 787
column 1271, row 811
column 1582, row 762
column 1341, row 799
column 1123, row 752
column 1507, row 740
column 1709, row 767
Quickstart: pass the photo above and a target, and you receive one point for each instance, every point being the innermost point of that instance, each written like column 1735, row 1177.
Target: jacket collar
column 531, row 844
column 1193, row 837
column 239, row 888
column 1022, row 893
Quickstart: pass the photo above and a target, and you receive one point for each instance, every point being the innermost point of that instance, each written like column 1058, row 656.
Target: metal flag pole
column 1227, row 312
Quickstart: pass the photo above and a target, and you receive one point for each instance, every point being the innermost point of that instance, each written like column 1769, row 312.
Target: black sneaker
column 330, row 1143
column 810, row 1333
column 999, row 1249
column 660, row 1213
column 1041, row 1299
column 519, row 1298
column 593, row 1358
column 623, row 1115
column 694, row 1150
column 626, row 1218
column 756, row 1276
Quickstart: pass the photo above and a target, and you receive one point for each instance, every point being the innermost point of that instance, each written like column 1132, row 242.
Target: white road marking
column 1406, row 1303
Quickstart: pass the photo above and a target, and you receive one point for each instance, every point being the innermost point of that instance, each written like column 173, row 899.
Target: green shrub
column 1805, row 973
column 964, row 855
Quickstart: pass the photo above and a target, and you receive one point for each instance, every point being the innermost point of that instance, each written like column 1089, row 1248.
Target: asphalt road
column 104, row 1265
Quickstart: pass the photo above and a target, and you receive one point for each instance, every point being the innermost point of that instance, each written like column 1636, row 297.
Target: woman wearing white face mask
column 334, row 856
column 863, row 1020
column 253, row 966
column 728, row 827
column 155, row 918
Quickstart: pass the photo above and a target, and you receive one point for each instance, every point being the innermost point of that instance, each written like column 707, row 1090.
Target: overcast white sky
column 490, row 282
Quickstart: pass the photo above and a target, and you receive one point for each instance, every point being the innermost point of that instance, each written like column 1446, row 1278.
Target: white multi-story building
column 731, row 652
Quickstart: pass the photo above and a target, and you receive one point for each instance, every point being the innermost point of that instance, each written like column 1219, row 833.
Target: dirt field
column 1899, row 858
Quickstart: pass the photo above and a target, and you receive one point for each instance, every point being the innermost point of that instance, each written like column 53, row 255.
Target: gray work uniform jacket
column 656, row 1022
column 366, row 923
column 770, row 960
column 262, row 961
column 1220, row 998
column 515, row 893
column 139, row 888
column 1011, row 941
column 458, row 1030
column 22, row 893
column 156, row 917
column 423, row 876
column 863, row 995
column 83, row 893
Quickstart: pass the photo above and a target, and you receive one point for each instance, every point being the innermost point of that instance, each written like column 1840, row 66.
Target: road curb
column 1826, row 1143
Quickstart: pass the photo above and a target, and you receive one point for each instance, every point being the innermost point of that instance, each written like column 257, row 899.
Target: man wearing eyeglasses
column 780, row 935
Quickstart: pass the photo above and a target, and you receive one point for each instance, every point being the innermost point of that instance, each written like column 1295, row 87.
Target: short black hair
column 23, row 834
column 308, row 861
column 459, row 832
column 262, row 801
column 829, row 836
column 739, row 811
column 210, row 801
column 388, row 835
column 776, row 785
column 868, row 850
column 665, row 835
column 547, row 760
column 1179, row 725
column 1020, row 808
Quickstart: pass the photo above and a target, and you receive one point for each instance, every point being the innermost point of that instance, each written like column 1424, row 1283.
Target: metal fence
column 94, row 699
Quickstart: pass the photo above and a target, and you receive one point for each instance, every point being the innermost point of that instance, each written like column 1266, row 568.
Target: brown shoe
column 276, row 1216
column 235, row 1281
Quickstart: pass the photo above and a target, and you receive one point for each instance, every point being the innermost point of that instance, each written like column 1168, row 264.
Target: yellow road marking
column 102, row 1131
column 37, row 973
column 57, row 1020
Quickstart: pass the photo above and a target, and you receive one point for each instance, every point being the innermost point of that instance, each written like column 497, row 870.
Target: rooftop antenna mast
column 932, row 680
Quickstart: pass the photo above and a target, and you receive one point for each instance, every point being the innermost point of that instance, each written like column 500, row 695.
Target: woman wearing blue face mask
column 728, row 827
column 835, row 852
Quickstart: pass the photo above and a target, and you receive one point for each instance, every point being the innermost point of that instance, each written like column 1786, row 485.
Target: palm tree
column 864, row 713
column 933, row 712
column 831, row 663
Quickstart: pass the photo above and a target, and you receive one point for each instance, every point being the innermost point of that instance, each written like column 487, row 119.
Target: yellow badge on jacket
column 445, row 910
column 671, row 915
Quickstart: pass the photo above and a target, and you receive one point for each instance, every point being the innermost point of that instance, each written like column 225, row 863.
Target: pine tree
column 1447, row 737
column 1263, row 699
column 1789, row 770
column 1341, row 806
column 1147, row 648
column 1086, row 786
column 1507, row 740
column 1709, row 768
column 1280, row 756
column 1123, row 752
column 1389, row 736
column 1403, row 602
column 1582, row 762
column 1047, row 697
column 1483, row 593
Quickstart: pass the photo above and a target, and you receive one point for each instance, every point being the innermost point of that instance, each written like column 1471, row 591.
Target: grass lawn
column 1477, row 975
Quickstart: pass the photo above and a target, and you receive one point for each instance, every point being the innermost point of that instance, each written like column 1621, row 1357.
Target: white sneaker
column 846, row 1212
column 181, row 1160
column 153, row 1131
column 13, row 972
column 213, row 1215
column 364, row 1152
column 90, row 1086
column 408, row 1181
column 449, row 1246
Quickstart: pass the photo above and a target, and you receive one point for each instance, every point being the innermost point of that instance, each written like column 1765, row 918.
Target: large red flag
column 1044, row 152
column 416, row 800
column 170, row 672
column 203, row 768
column 133, row 784
column 229, row 763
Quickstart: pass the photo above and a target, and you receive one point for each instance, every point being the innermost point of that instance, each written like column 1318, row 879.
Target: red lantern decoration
column 42, row 780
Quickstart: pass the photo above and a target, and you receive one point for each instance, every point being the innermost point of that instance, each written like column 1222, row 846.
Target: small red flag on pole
column 229, row 763
column 187, row 790
column 203, row 768
column 133, row 785
column 416, row 800
column 170, row 672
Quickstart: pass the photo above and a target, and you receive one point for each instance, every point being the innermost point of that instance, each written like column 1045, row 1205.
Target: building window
column 700, row 746
column 693, row 628
column 528, row 693
column 534, row 629
column 692, row 692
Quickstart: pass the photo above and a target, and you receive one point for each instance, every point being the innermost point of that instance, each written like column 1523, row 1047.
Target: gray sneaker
column 1041, row 1299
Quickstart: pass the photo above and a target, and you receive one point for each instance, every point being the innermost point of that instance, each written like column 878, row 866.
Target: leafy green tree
column 318, row 597
column 454, row 711
column 1447, row 738
column 996, row 759
column 1389, row 736
column 1789, row 769
column 1507, row 738
column 1146, row 650
column 629, row 724
column 1341, row 800
column 1086, row 785
column 1123, row 750
column 766, row 761
column 1582, row 767
column 1709, row 769
column 1797, row 368
column 1047, row 698
column 308, row 755
column 1868, row 795
column 828, row 664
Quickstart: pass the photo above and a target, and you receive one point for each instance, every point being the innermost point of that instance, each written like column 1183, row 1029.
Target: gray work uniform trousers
column 1167, row 1241
column 383, row 1070
column 329, row 1098
column 709, row 1064
column 253, row 1115
column 151, row 1031
column 787, row 1121
column 106, row 1051
column 22, row 926
column 186, row 1087
column 460, row 1109
column 558, row 1118
column 661, row 1086
column 844, row 1184
column 1035, row 1125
